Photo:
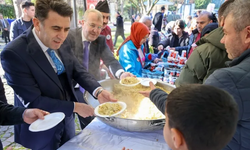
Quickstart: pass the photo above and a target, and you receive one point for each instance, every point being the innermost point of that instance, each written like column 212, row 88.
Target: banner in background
column 91, row 4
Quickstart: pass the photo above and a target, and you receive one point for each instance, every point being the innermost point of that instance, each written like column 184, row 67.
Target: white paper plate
column 48, row 122
column 124, row 106
column 131, row 84
column 145, row 82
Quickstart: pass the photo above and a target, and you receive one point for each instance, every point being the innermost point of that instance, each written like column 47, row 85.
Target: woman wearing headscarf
column 131, row 55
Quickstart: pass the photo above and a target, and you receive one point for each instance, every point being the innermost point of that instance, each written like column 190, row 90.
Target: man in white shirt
column 40, row 70
column 97, row 49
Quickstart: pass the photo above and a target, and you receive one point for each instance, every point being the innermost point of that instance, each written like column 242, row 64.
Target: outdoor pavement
column 7, row 132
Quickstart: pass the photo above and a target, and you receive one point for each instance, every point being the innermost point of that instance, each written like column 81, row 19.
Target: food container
column 128, row 124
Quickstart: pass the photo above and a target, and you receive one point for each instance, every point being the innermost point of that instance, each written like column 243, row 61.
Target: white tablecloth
column 99, row 136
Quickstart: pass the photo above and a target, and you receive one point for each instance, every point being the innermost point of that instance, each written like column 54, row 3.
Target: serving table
column 99, row 136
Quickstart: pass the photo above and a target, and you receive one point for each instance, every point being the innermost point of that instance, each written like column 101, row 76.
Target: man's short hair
column 163, row 8
column 239, row 10
column 26, row 4
column 223, row 10
column 86, row 14
column 144, row 19
column 205, row 115
column 59, row 6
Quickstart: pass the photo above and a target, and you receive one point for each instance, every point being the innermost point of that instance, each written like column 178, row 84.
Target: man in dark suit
column 10, row 115
column 41, row 72
column 98, row 50
column 5, row 27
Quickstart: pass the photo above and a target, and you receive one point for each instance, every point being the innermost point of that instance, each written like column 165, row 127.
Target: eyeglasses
column 93, row 26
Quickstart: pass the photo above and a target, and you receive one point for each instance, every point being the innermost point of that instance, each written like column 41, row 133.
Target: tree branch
column 134, row 3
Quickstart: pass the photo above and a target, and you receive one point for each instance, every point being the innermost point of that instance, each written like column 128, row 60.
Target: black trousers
column 6, row 36
column 83, row 121
column 119, row 33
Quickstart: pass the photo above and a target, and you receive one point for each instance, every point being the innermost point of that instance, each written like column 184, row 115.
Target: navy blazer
column 35, row 82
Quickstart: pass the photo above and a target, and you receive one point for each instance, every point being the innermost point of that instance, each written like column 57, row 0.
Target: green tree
column 201, row 4
column 7, row 11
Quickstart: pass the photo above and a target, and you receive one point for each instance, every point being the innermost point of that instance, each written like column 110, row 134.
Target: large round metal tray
column 127, row 124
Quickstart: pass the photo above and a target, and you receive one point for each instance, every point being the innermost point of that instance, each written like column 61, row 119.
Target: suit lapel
column 67, row 60
column 40, row 59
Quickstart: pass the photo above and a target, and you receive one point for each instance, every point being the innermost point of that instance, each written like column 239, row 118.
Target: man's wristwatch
column 99, row 92
column 119, row 77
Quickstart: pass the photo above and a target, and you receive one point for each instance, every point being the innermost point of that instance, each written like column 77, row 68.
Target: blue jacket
column 236, row 81
column 17, row 27
column 129, row 58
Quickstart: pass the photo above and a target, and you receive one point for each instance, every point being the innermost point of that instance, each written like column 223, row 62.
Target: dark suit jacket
column 10, row 115
column 2, row 92
column 34, row 81
column 98, row 50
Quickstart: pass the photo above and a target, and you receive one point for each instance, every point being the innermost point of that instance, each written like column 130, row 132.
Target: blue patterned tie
column 59, row 65
column 85, row 59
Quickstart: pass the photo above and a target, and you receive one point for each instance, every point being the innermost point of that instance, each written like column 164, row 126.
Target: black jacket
column 157, row 21
column 173, row 40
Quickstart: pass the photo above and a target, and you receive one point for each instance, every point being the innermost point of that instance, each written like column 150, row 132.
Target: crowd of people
column 49, row 66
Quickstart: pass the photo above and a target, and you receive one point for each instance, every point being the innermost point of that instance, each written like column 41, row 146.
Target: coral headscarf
column 138, row 32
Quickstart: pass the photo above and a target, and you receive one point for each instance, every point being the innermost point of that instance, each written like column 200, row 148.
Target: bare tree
column 17, row 8
column 144, row 9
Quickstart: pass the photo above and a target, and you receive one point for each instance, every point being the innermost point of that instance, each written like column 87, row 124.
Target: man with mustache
column 90, row 47
column 203, row 19
column 103, row 7
column 40, row 67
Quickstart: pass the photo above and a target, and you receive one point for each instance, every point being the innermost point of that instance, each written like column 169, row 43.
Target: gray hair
column 240, row 13
column 87, row 12
column 144, row 19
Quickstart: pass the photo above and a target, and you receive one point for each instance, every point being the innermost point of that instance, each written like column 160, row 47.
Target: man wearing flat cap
column 103, row 7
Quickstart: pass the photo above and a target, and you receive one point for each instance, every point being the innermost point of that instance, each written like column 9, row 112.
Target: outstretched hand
column 126, row 74
column 147, row 93
column 31, row 115
column 106, row 96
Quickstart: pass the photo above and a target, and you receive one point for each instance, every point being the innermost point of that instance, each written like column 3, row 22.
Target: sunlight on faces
column 105, row 19
column 235, row 42
column 92, row 26
column 53, row 30
column 144, row 39
column 202, row 21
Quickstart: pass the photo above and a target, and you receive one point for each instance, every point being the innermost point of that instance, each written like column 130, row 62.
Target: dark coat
column 173, row 40
column 99, row 50
column 236, row 80
column 192, row 38
column 119, row 25
column 36, row 85
column 10, row 115
column 157, row 21
column 2, row 93
column 205, row 59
